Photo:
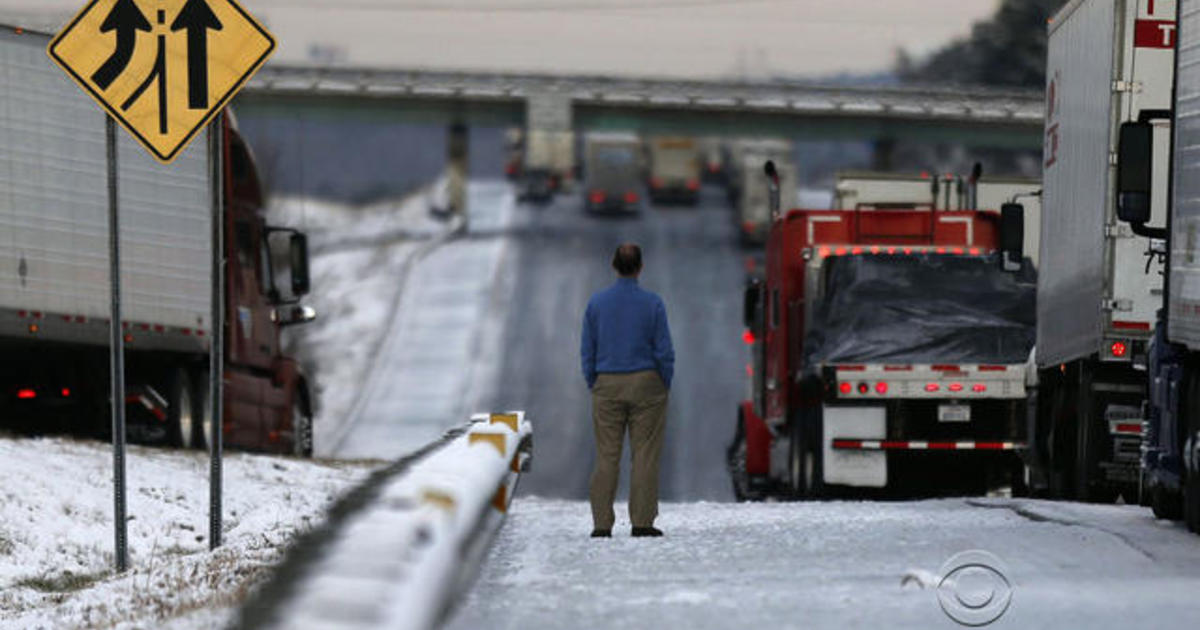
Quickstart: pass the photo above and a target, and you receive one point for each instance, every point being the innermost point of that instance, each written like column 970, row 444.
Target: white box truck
column 1099, row 284
column 54, row 276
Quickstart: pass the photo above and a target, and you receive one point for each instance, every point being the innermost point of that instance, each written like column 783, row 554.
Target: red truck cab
column 882, row 338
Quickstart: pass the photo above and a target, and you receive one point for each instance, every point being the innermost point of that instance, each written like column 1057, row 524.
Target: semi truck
column 54, row 277
column 745, row 175
column 889, row 347
column 854, row 189
column 1171, row 442
column 549, row 158
column 612, row 174
column 753, row 207
column 1099, row 283
column 673, row 170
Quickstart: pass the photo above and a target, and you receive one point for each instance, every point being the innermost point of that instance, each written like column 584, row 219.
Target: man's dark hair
column 628, row 259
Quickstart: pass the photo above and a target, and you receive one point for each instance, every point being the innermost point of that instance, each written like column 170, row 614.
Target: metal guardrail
column 948, row 103
column 402, row 548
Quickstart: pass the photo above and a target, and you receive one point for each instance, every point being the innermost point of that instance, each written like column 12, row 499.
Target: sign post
column 216, row 354
column 196, row 55
column 117, row 363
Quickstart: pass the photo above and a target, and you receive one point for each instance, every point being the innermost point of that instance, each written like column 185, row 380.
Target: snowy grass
column 56, row 532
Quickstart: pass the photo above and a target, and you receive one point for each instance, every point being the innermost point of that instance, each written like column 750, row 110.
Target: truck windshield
column 925, row 308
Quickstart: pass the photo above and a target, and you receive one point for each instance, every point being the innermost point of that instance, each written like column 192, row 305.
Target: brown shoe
column 601, row 533
column 644, row 532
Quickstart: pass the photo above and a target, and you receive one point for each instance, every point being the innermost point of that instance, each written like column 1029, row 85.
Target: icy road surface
column 833, row 565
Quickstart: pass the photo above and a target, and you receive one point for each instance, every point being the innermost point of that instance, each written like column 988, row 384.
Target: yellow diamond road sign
column 163, row 68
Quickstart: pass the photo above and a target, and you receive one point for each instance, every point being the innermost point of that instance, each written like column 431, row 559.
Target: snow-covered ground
column 56, row 532
column 835, row 565
column 357, row 258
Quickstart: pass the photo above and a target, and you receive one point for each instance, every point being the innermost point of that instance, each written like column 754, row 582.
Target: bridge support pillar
column 549, row 135
column 457, row 159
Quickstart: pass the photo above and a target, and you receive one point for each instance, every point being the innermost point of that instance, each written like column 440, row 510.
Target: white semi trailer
column 1099, row 284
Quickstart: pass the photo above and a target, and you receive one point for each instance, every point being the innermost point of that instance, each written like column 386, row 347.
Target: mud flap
column 854, row 468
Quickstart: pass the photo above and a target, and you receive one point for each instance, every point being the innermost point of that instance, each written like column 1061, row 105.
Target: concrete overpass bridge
column 981, row 118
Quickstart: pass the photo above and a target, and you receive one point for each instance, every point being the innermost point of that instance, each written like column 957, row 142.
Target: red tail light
column 26, row 394
column 955, row 387
column 597, row 196
column 748, row 337
column 881, row 387
column 511, row 169
column 713, row 168
column 631, row 197
column 863, row 388
column 979, row 388
column 845, row 388
column 66, row 392
column 933, row 387
column 656, row 182
column 693, row 184
column 1119, row 349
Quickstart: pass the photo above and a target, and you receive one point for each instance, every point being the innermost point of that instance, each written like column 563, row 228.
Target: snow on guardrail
column 409, row 542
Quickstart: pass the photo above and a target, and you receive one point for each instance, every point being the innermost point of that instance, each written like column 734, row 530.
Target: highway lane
column 559, row 256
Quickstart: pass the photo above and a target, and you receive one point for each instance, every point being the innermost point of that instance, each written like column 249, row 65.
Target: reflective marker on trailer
column 881, row 387
column 845, row 388
column 914, row 445
column 748, row 337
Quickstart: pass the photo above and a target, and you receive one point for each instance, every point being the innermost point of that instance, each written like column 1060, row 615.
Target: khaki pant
column 636, row 402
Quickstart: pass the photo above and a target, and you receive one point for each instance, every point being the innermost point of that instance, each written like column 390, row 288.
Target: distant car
column 537, row 185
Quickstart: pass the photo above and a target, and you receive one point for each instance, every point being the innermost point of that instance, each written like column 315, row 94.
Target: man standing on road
column 628, row 362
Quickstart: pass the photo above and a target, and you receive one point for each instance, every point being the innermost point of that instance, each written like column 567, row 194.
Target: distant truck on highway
column 54, row 296
column 548, row 166
column 753, row 206
column 1099, row 283
column 889, row 353
column 864, row 189
column 612, row 173
column 673, row 170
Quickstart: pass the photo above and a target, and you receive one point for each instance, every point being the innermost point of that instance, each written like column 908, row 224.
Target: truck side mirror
column 750, row 302
column 1134, row 168
column 1012, row 236
column 772, row 187
column 298, row 259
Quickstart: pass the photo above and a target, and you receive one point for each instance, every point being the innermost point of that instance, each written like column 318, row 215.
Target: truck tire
column 203, row 406
column 302, row 431
column 1090, row 485
column 804, row 459
column 1058, row 464
column 1165, row 504
column 1191, row 471
column 736, row 463
column 182, row 420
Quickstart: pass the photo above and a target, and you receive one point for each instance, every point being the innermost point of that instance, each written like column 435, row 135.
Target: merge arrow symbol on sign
column 126, row 19
column 197, row 18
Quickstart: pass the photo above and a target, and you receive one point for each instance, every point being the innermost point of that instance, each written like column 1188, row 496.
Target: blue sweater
column 625, row 330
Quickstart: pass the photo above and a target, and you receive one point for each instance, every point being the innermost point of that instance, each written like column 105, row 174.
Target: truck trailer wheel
column 736, row 463
column 182, row 419
column 302, row 431
column 1191, row 471
column 804, row 465
column 1090, row 485
column 203, row 406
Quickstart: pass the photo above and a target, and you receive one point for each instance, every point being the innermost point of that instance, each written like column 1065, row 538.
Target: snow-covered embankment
column 56, row 532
